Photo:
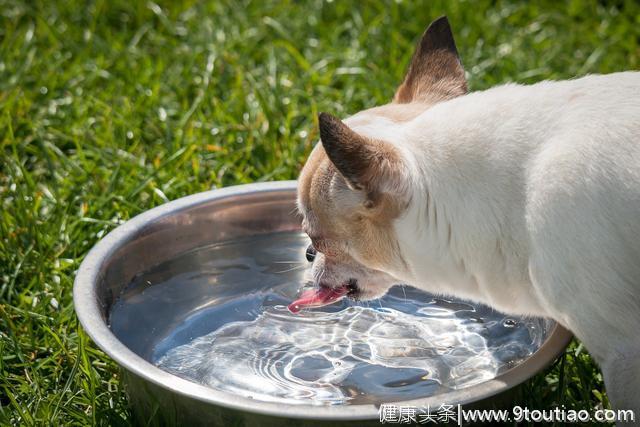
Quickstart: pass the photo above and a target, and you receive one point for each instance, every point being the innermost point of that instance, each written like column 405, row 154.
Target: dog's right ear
column 435, row 72
column 367, row 164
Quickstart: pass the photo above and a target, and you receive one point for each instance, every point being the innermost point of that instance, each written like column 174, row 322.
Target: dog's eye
column 310, row 253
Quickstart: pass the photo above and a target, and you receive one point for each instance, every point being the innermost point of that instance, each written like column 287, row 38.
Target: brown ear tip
column 326, row 124
column 325, row 118
column 439, row 35
column 442, row 19
column 329, row 125
column 440, row 25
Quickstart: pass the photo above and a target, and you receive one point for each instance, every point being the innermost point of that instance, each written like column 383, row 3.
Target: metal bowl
column 158, row 397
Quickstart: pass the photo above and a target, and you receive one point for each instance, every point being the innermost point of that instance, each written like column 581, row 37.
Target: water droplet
column 509, row 323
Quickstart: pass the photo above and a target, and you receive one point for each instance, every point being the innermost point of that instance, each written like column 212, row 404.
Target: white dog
column 525, row 198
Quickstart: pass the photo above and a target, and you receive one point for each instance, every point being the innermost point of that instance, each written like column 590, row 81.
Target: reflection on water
column 217, row 316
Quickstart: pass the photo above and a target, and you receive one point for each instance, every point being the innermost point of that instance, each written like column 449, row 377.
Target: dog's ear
column 435, row 72
column 366, row 164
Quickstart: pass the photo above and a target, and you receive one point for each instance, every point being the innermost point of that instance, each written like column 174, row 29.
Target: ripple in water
column 406, row 345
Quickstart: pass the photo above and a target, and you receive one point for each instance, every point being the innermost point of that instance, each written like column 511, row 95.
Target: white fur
column 527, row 198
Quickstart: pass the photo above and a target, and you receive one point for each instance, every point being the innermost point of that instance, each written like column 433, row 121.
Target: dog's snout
column 310, row 253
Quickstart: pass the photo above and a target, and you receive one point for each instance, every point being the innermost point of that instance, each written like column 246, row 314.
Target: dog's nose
column 310, row 253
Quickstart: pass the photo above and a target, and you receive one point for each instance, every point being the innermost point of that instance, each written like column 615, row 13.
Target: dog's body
column 525, row 198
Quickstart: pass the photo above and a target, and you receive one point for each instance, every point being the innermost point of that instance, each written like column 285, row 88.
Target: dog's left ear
column 435, row 72
column 367, row 164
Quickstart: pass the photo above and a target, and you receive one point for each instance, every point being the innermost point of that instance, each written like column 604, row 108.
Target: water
column 217, row 316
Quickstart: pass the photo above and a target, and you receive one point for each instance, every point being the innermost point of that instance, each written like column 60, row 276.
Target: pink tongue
column 317, row 297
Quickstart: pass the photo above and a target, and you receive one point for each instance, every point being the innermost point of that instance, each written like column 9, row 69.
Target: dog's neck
column 466, row 221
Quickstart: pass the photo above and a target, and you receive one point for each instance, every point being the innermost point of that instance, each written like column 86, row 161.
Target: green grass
column 111, row 107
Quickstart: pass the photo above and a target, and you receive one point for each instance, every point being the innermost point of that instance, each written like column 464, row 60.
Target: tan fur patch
column 436, row 78
column 377, row 242
column 338, row 221
column 399, row 113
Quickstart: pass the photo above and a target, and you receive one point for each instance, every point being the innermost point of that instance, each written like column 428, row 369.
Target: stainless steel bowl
column 202, row 219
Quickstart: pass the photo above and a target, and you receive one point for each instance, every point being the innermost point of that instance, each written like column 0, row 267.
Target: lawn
column 111, row 107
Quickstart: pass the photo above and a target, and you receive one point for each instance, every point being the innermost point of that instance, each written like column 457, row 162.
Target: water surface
column 217, row 316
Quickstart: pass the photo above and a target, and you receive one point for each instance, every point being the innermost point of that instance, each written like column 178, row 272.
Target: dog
column 522, row 197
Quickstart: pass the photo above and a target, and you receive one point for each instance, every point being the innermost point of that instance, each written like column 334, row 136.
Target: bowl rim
column 89, row 314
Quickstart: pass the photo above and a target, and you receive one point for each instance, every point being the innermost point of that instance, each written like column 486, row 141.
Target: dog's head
column 356, row 182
